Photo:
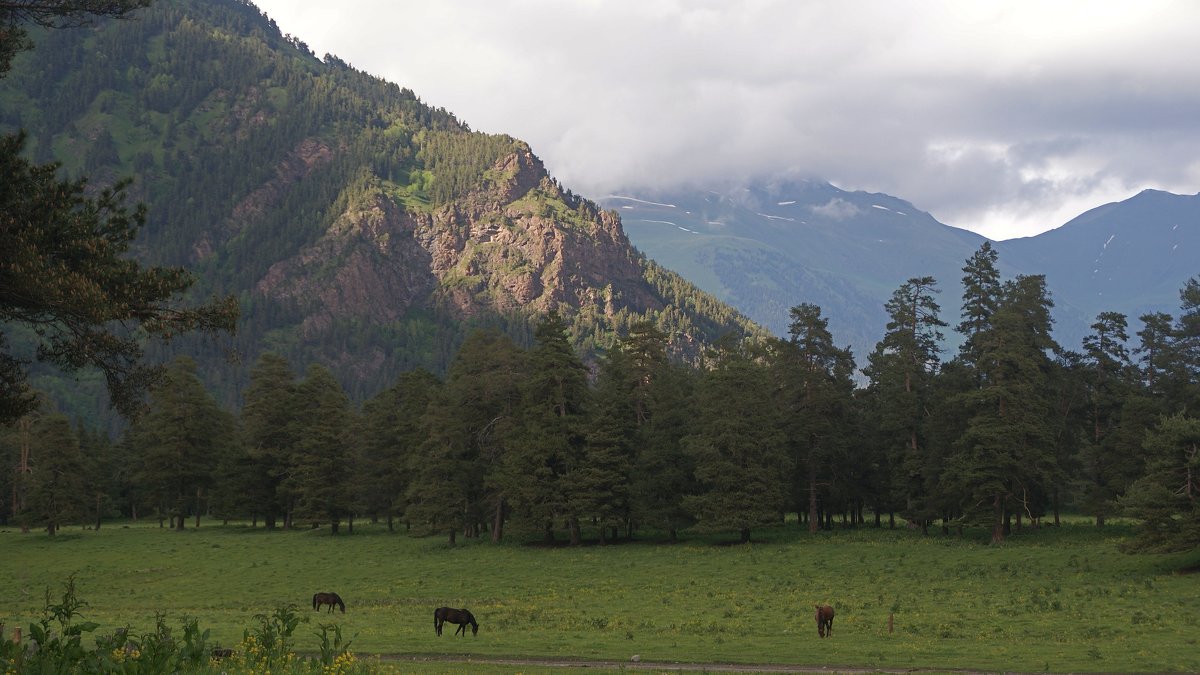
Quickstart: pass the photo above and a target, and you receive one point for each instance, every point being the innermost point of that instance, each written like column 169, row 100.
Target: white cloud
column 1004, row 117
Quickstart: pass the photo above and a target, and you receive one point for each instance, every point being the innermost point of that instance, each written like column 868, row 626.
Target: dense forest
column 438, row 335
column 1005, row 434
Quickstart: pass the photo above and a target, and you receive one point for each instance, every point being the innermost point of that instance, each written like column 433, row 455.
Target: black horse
column 459, row 616
column 330, row 599
column 824, row 620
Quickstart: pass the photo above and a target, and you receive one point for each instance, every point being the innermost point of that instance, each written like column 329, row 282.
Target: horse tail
column 315, row 596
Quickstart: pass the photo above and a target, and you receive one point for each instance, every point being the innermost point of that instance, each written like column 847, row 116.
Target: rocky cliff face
column 519, row 242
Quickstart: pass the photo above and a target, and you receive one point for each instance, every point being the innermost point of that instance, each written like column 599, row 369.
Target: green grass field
column 1053, row 599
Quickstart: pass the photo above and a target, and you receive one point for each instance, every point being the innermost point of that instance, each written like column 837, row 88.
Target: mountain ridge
column 857, row 247
column 358, row 226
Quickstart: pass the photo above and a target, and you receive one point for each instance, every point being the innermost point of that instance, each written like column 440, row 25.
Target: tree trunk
column 391, row 523
column 453, row 534
column 812, row 502
column 98, row 502
column 498, row 522
column 198, row 492
column 574, row 529
column 997, row 520
column 745, row 535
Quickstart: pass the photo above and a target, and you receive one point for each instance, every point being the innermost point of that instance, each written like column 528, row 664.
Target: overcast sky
column 1007, row 118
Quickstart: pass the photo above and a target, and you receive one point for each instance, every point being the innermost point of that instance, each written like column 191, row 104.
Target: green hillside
column 359, row 226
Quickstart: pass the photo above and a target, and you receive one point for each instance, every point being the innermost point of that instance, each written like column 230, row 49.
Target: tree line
column 1004, row 434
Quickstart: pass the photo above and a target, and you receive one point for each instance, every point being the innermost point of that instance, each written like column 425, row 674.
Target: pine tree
column 1006, row 454
column 469, row 426
column 554, row 401
column 1157, row 355
column 57, row 489
column 815, row 385
column 392, row 435
column 1112, row 461
column 321, row 470
column 664, row 472
column 268, row 427
column 737, row 445
column 1167, row 499
column 600, row 487
column 901, row 371
column 980, row 299
column 179, row 440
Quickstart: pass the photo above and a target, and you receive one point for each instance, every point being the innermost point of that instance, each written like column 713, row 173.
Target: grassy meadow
column 1052, row 599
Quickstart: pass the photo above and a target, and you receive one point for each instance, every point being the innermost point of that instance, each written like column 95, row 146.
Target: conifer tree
column 1167, row 499
column 1157, row 354
column 268, row 424
column 814, row 382
column 179, row 440
column 57, row 489
column 664, row 472
column 1006, row 454
column 737, row 445
column 1111, row 463
column 980, row 299
column 469, row 427
column 554, row 400
column 392, row 436
column 600, row 487
column 901, row 371
column 321, row 469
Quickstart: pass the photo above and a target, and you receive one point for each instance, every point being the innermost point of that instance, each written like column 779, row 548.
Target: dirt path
column 666, row 666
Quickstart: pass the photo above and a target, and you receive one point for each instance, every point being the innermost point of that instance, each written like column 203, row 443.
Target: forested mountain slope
column 359, row 226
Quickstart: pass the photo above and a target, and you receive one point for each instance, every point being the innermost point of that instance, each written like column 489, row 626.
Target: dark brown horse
column 824, row 620
column 459, row 616
column 330, row 599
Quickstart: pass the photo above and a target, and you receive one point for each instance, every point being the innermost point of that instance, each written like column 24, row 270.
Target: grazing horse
column 824, row 620
column 459, row 616
column 330, row 599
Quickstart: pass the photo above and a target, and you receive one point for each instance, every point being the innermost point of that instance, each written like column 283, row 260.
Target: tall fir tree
column 1007, row 451
column 1112, row 461
column 321, row 471
column 57, row 489
column 901, row 371
column 1167, row 499
column 269, row 435
column 179, row 440
column 815, row 385
column 392, row 436
column 737, row 444
column 554, row 403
